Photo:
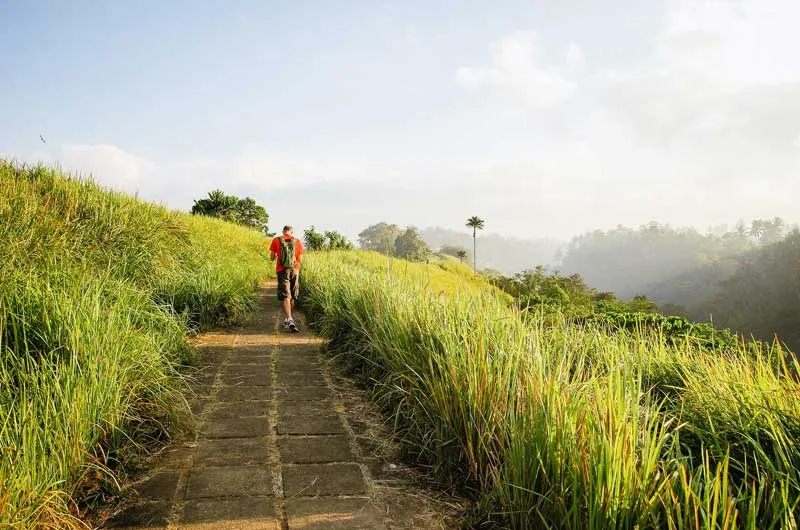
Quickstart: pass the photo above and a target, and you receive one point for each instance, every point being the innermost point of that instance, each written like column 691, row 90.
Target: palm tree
column 476, row 223
column 461, row 254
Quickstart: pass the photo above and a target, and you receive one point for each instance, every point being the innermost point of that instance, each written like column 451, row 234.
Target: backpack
column 287, row 253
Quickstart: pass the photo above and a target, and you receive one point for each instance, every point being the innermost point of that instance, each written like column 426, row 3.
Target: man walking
column 288, row 250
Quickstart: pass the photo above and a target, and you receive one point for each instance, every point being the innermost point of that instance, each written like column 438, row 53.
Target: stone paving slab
column 161, row 486
column 311, row 480
column 233, row 509
column 263, row 370
column 242, row 393
column 238, row 409
column 308, row 378
column 256, row 379
column 323, row 422
column 232, row 452
column 178, row 458
column 314, row 449
column 143, row 516
column 235, row 428
column 331, row 513
column 291, row 408
column 250, row 359
column 294, row 364
column 303, row 393
column 229, row 481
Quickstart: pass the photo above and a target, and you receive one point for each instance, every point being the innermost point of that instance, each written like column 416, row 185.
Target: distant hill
column 690, row 293
column 507, row 255
column 762, row 296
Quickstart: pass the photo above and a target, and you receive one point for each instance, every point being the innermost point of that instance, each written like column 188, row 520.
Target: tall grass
column 97, row 294
column 551, row 424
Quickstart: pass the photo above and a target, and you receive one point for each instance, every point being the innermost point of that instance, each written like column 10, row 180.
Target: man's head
column 287, row 231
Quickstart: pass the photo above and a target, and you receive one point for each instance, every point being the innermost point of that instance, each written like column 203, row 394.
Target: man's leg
column 285, row 292
column 294, row 291
column 295, row 286
column 287, row 306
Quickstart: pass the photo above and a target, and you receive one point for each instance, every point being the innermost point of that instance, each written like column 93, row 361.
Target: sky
column 546, row 119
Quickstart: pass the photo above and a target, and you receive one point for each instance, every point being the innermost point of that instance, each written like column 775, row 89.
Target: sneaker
column 293, row 327
column 285, row 323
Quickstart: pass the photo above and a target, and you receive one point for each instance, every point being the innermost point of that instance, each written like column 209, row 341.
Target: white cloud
column 574, row 57
column 516, row 75
column 109, row 165
column 723, row 95
column 717, row 113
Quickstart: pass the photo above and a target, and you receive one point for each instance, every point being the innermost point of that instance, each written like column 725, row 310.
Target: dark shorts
column 288, row 284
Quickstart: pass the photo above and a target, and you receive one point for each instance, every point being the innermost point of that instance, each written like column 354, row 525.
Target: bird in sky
column 42, row 139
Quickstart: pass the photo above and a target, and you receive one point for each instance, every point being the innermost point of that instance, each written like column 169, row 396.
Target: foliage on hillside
column 762, row 296
column 629, row 261
column 392, row 240
column 327, row 240
column 543, row 294
column 244, row 212
column 744, row 279
column 97, row 293
column 554, row 424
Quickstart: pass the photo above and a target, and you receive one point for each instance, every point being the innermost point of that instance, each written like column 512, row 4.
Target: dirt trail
column 280, row 444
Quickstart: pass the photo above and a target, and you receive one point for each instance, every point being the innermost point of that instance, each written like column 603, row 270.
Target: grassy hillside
column 555, row 425
column 97, row 294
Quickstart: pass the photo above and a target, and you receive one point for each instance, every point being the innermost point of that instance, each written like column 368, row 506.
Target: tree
column 217, row 205
column 313, row 239
column 248, row 213
column 336, row 241
column 329, row 240
column 453, row 250
column 379, row 237
column 642, row 304
column 233, row 209
column 476, row 223
column 410, row 246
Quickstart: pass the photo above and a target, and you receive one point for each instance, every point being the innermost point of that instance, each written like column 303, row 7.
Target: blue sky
column 545, row 118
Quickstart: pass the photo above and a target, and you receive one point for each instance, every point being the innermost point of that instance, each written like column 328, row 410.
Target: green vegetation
column 555, row 424
column 392, row 240
column 379, row 237
column 328, row 240
column 551, row 403
column 544, row 294
column 244, row 212
column 630, row 262
column 762, row 296
column 97, row 293
column 410, row 246
column 744, row 279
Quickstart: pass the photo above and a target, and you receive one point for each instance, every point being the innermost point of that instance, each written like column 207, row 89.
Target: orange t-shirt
column 275, row 247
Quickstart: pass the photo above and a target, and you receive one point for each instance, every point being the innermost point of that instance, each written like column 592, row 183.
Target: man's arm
column 273, row 253
column 298, row 256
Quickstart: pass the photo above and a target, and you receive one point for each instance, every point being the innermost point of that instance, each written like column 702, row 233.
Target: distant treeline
column 747, row 278
column 540, row 293
column 505, row 254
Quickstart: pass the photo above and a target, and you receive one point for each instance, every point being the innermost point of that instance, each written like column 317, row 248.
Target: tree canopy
column 233, row 209
column 380, row 237
column 409, row 245
column 328, row 240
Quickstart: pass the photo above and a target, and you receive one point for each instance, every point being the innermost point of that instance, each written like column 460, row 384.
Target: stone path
column 273, row 449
